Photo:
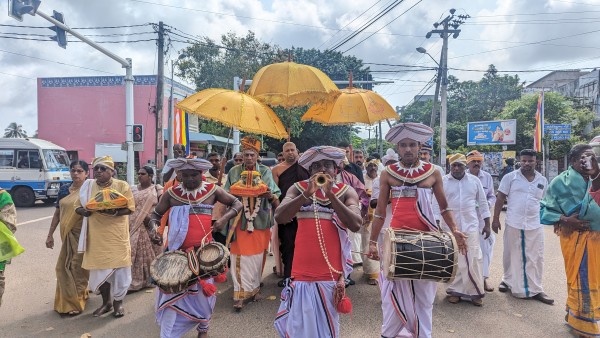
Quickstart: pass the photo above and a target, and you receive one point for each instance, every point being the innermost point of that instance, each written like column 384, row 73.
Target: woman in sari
column 71, row 278
column 143, row 252
column 571, row 204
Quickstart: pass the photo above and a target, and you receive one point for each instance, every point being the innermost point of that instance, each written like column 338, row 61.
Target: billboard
column 491, row 132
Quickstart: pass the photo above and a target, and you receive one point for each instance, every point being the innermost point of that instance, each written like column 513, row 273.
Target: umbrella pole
column 224, row 159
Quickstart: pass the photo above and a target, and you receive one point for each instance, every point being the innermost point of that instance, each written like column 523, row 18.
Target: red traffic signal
column 138, row 133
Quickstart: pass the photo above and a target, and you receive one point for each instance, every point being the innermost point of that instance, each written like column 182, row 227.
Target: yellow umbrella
column 289, row 84
column 234, row 109
column 353, row 105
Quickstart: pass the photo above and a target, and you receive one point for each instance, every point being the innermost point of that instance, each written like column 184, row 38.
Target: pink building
column 86, row 115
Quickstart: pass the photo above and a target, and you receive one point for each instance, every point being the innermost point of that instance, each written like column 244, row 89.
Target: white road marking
column 35, row 220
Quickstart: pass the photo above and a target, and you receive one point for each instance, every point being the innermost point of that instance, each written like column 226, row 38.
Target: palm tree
column 14, row 130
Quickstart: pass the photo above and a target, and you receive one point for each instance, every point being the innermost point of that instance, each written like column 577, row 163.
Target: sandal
column 372, row 281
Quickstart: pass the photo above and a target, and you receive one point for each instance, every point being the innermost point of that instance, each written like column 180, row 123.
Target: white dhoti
column 468, row 283
column 178, row 313
column 370, row 267
column 356, row 242
column 487, row 250
column 246, row 273
column 407, row 307
column 275, row 243
column 307, row 310
column 523, row 261
column 119, row 280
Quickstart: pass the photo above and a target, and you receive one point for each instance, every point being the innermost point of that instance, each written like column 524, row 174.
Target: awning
column 204, row 138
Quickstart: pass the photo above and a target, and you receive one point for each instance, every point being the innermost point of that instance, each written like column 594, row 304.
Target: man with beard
column 523, row 257
column 407, row 305
column 326, row 210
column 474, row 162
column 466, row 198
column 190, row 203
column 285, row 175
column 359, row 159
column 348, row 166
column 253, row 233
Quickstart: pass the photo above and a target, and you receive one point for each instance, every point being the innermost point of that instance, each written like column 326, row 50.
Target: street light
column 172, row 107
column 424, row 51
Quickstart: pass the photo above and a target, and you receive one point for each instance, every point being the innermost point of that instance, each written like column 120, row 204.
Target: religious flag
column 181, row 129
column 538, row 134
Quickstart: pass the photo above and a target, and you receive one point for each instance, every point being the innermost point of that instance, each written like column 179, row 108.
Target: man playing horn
column 190, row 203
column 325, row 211
column 408, row 304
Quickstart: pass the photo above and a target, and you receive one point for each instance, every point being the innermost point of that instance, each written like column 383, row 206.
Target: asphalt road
column 27, row 309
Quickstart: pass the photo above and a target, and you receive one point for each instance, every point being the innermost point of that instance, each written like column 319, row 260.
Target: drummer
column 408, row 305
column 322, row 254
column 190, row 203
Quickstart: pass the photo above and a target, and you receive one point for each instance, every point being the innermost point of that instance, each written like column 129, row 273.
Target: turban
column 319, row 153
column 250, row 143
column 474, row 155
column 189, row 163
column 458, row 158
column 374, row 161
column 390, row 155
column 106, row 161
column 427, row 146
column 414, row 131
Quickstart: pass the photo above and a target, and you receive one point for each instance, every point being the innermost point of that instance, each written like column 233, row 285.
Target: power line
column 72, row 41
column 100, row 27
column 53, row 61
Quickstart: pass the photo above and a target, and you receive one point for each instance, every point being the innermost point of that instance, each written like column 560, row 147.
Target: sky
column 533, row 36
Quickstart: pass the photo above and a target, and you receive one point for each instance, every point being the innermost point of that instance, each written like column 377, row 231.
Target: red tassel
column 345, row 305
column 222, row 278
column 207, row 288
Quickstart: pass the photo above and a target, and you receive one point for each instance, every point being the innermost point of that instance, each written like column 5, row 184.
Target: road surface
column 27, row 309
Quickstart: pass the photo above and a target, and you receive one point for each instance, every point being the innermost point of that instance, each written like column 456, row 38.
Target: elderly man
column 252, row 234
column 191, row 204
column 104, row 238
column 408, row 304
column 8, row 220
column 474, row 162
column 467, row 199
column 326, row 210
column 523, row 257
column 285, row 175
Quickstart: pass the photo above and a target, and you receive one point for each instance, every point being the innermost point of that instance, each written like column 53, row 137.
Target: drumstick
column 232, row 229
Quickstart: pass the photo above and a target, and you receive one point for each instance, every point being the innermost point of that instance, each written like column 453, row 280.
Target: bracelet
column 236, row 210
column 116, row 213
column 372, row 241
column 444, row 210
column 156, row 213
column 378, row 216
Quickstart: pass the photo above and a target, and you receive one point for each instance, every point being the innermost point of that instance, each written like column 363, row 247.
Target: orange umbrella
column 289, row 84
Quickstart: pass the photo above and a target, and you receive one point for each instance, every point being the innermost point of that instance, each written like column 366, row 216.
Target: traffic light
column 61, row 34
column 17, row 8
column 138, row 133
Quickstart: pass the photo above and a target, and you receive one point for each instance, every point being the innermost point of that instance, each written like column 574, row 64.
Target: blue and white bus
column 32, row 169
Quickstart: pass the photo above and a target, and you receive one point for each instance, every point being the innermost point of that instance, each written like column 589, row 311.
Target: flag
column 181, row 129
column 538, row 134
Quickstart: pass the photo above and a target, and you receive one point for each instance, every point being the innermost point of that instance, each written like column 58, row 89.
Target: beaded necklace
column 321, row 239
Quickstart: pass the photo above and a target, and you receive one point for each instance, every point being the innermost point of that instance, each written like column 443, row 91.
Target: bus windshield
column 56, row 159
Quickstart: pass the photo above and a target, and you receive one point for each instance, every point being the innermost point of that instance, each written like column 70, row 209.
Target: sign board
column 491, row 132
column 111, row 149
column 558, row 132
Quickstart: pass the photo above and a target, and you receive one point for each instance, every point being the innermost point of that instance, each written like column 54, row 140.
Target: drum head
column 171, row 272
column 212, row 256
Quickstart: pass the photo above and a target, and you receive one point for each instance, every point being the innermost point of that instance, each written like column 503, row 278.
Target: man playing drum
column 314, row 295
column 408, row 304
column 190, row 203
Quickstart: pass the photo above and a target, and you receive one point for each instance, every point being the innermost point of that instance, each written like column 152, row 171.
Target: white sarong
column 119, row 280
column 301, row 298
column 523, row 261
column 246, row 273
column 355, row 239
column 468, row 283
column 487, row 251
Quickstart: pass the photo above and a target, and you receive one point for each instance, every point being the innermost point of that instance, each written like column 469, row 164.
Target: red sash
column 309, row 265
column 198, row 228
column 406, row 215
column 411, row 175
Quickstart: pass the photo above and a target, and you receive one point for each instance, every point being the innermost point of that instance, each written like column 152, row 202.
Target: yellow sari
column 71, row 278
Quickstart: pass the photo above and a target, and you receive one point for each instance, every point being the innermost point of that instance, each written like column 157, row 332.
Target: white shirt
column 523, row 207
column 464, row 197
column 434, row 204
column 488, row 187
column 375, row 189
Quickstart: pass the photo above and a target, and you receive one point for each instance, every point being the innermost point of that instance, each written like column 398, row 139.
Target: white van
column 32, row 169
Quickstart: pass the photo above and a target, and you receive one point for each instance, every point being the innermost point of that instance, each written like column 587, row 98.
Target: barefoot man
column 408, row 304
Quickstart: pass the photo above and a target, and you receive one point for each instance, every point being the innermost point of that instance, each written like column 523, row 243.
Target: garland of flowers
column 251, row 216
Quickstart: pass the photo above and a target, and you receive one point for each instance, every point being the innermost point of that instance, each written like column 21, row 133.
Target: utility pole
column 160, row 86
column 454, row 22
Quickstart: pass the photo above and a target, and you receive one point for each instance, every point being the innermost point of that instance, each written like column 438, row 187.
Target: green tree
column 14, row 130
column 557, row 109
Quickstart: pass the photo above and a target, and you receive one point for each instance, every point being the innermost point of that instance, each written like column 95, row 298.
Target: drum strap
column 193, row 262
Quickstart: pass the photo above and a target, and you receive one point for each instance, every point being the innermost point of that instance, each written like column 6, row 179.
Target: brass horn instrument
column 321, row 179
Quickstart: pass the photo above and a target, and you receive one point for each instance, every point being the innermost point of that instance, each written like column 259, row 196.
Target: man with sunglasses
column 325, row 209
column 105, row 238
